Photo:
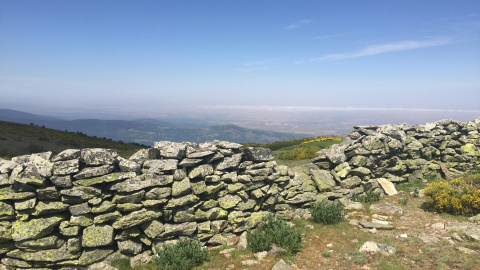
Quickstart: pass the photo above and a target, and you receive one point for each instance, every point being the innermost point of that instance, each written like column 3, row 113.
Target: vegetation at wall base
column 327, row 212
column 274, row 230
column 183, row 255
column 460, row 196
column 369, row 197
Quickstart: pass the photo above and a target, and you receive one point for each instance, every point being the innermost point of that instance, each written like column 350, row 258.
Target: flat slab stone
column 386, row 210
column 375, row 225
column 387, row 186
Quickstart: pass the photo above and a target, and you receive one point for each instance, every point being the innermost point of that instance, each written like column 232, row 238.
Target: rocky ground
column 395, row 233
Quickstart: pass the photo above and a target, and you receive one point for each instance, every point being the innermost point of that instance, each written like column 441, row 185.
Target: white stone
column 387, row 186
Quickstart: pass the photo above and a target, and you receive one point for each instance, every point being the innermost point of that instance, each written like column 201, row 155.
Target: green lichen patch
column 35, row 228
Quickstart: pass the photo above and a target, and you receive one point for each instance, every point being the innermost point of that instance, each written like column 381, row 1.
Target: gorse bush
column 370, row 196
column 459, row 196
column 327, row 212
column 299, row 153
column 274, row 230
column 184, row 255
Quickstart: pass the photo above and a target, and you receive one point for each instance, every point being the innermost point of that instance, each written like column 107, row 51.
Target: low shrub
column 460, row 196
column 369, row 196
column 327, row 212
column 274, row 230
column 299, row 153
column 184, row 255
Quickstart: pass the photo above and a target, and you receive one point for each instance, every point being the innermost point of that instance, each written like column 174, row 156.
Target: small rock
column 249, row 262
column 438, row 226
column 276, row 250
column 281, row 265
column 101, row 266
column 290, row 224
column 230, row 266
column 261, row 255
column 404, row 235
column 371, row 247
column 353, row 222
column 466, row 250
column 242, row 242
column 330, row 245
column 141, row 259
column 309, row 227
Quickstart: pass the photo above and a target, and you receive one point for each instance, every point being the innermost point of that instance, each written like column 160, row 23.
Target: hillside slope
column 18, row 139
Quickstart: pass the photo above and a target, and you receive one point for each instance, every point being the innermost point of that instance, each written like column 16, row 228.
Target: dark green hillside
column 18, row 139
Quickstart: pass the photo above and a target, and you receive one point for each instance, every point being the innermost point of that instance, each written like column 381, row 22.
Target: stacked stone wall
column 83, row 205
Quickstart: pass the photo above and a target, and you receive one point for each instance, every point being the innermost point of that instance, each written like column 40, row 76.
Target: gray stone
column 98, row 156
column 230, row 162
column 135, row 197
column 89, row 172
column 153, row 228
column 67, row 155
column 142, row 182
column 136, row 218
column 375, row 225
column 336, row 153
column 371, row 247
column 158, row 166
column 201, row 171
column 281, row 265
column 183, row 229
column 62, row 181
column 97, row 236
column 229, row 201
column 49, row 208
column 93, row 256
column 129, row 166
column 181, row 187
column 130, row 246
column 35, row 228
column 143, row 155
column 170, row 149
column 258, row 154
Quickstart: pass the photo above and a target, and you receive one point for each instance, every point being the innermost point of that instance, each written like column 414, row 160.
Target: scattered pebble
column 330, row 245
column 403, row 235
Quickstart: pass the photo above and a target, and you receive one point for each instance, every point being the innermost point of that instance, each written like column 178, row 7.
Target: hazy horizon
column 248, row 62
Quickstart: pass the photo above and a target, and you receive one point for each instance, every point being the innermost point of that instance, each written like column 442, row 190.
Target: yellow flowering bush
column 459, row 196
column 321, row 139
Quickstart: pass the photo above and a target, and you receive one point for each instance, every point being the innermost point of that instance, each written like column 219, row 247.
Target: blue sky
column 164, row 55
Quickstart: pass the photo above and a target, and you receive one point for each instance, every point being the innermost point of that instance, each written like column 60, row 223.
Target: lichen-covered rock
column 230, row 162
column 98, row 156
column 49, row 208
column 129, row 165
column 67, row 155
column 170, row 149
column 257, row 154
column 135, row 197
column 153, row 228
column 229, row 201
column 6, row 211
column 130, row 246
column 136, row 218
column 35, row 228
column 183, row 229
column 181, row 187
column 81, row 193
column 89, row 172
column 49, row 242
column 107, row 217
column 158, row 166
column 47, row 255
column 201, row 171
column 62, row 181
column 351, row 182
column 143, row 155
column 142, row 182
column 93, row 256
column 181, row 201
column 97, row 236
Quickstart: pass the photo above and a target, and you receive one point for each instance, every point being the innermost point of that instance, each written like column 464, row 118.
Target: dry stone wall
column 401, row 153
column 83, row 205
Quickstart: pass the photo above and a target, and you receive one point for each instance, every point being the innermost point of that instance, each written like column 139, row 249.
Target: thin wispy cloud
column 404, row 45
column 298, row 24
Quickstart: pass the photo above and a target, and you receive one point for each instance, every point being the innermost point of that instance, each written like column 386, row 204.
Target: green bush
column 274, row 230
column 370, row 196
column 327, row 212
column 184, row 255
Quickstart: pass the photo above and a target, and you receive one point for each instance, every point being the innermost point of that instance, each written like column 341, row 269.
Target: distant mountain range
column 148, row 131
